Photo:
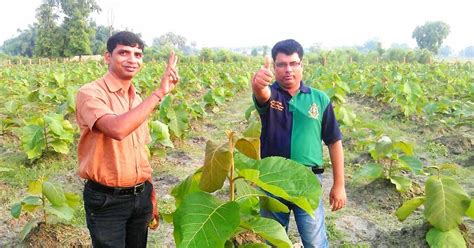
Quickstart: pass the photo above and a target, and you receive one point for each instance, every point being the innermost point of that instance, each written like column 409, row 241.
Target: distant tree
column 400, row 45
column 445, row 51
column 395, row 54
column 254, row 52
column 224, row 55
column 21, row 45
column 176, row 41
column 191, row 49
column 315, row 47
column 98, row 42
column 431, row 35
column 206, row 54
column 48, row 41
column 467, row 52
column 371, row 45
column 78, row 31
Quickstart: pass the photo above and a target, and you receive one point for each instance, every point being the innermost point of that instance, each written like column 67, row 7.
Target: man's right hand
column 261, row 80
column 264, row 76
column 170, row 77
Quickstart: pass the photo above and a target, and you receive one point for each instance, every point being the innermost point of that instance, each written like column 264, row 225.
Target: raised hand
column 264, row 76
column 170, row 77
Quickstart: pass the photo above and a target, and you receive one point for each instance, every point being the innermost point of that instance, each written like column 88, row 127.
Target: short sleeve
column 90, row 107
column 330, row 127
column 261, row 109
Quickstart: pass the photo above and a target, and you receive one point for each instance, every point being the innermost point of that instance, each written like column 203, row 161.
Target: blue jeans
column 312, row 231
column 118, row 220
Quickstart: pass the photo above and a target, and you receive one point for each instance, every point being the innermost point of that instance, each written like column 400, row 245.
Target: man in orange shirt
column 112, row 150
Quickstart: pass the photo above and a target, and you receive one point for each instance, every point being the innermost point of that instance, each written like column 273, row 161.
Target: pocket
column 94, row 200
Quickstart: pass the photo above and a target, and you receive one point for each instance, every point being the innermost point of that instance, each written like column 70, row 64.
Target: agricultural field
column 408, row 139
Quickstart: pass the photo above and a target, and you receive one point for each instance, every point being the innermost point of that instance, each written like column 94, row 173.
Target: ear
column 107, row 57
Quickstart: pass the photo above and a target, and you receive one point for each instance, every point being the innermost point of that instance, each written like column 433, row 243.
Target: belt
column 317, row 170
column 135, row 190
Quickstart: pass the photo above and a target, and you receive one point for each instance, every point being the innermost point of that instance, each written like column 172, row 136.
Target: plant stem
column 390, row 168
column 43, row 200
column 45, row 137
column 231, row 180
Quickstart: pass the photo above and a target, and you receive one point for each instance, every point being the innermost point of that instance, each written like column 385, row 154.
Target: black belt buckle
column 137, row 189
column 317, row 170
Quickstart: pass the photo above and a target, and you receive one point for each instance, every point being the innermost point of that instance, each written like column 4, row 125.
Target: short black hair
column 287, row 47
column 125, row 38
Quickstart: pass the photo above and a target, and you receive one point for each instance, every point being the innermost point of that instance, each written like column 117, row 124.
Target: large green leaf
column 247, row 197
column 177, row 118
column 382, row 148
column 470, row 210
column 217, row 161
column 202, row 220
column 408, row 207
column 33, row 141
column 55, row 123
column 269, row 229
column 406, row 148
column 54, row 194
column 249, row 147
column 448, row 239
column 63, row 212
column 283, row 178
column 401, row 183
column 412, row 162
column 60, row 146
column 248, row 201
column 187, row 186
column 160, row 133
column 446, row 202
column 72, row 199
column 370, row 171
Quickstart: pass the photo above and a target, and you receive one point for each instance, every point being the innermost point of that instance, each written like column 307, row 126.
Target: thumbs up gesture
column 264, row 76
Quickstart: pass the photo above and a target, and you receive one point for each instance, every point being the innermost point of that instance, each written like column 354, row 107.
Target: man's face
column 288, row 70
column 125, row 61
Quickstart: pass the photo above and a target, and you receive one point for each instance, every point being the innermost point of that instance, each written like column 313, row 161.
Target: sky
column 244, row 23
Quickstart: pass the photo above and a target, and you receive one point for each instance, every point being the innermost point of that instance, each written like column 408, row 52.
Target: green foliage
column 43, row 133
column 23, row 44
column 431, row 35
column 48, row 39
column 391, row 159
column 445, row 203
column 49, row 200
column 202, row 220
column 204, row 225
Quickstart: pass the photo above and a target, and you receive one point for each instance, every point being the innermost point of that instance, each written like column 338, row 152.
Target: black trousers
column 118, row 220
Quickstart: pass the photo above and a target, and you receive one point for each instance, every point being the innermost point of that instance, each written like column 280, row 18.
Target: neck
column 291, row 90
column 124, row 82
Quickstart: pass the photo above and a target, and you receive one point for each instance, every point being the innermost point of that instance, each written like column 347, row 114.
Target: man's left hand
column 337, row 197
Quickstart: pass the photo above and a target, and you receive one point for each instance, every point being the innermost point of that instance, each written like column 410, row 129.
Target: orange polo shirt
column 103, row 159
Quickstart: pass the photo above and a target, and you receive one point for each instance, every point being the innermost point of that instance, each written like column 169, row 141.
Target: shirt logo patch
column 313, row 111
column 276, row 105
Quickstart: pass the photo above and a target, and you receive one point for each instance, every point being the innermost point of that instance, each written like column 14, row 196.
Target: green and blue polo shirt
column 294, row 127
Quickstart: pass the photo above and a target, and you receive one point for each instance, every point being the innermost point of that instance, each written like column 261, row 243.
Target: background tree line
column 63, row 28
